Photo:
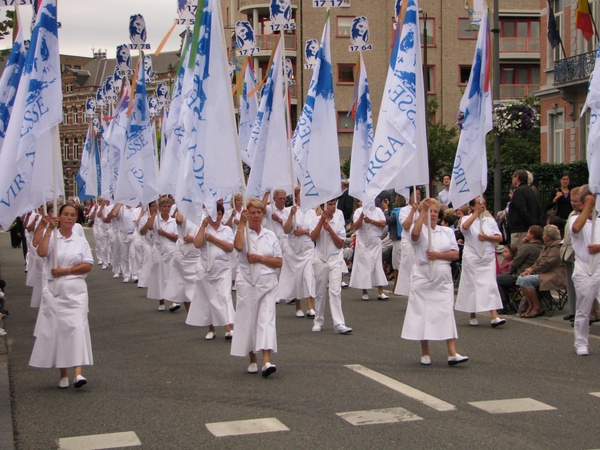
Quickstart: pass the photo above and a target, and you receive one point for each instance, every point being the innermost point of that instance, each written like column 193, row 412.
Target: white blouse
column 265, row 244
column 214, row 251
column 442, row 238
column 71, row 252
column 472, row 242
column 325, row 246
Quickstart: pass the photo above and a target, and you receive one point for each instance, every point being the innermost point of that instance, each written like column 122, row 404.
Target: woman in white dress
column 408, row 216
column 478, row 289
column 231, row 219
column 35, row 273
column 258, row 261
column 212, row 304
column 297, row 278
column 62, row 330
column 429, row 314
column 181, row 284
column 147, row 234
column 367, row 265
column 164, row 235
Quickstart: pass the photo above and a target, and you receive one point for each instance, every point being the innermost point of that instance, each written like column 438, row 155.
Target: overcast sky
column 104, row 24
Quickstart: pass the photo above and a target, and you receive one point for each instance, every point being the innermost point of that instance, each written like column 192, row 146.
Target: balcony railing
column 514, row 91
column 519, row 45
column 269, row 41
column 574, row 68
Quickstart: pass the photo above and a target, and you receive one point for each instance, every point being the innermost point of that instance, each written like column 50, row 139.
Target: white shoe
column 268, row 369
column 457, row 359
column 342, row 329
column 209, row 336
column 289, row 302
column 310, row 313
column 299, row 313
column 229, row 335
column 277, row 302
column 104, row 266
column 134, row 279
column 426, row 360
column 64, row 383
column 382, row 297
column 253, row 368
column 316, row 328
column 126, row 280
column 174, row 307
column 582, row 351
column 497, row 322
column 79, row 381
column 2, row 332
column 344, row 284
column 473, row 322
column 116, row 275
column 233, row 288
column 365, row 297
column 161, row 307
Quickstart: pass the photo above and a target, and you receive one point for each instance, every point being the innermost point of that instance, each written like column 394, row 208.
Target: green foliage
column 346, row 168
column 442, row 142
column 6, row 27
column 546, row 178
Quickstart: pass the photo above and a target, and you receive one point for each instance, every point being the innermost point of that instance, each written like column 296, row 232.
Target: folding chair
column 552, row 303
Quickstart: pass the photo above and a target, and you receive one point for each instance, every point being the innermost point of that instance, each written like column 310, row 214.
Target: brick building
column 564, row 84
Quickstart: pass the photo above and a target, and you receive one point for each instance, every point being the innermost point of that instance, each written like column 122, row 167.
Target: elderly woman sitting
column 548, row 273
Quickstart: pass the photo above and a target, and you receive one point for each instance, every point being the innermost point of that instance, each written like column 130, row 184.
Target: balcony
column 519, row 45
column 269, row 41
column 578, row 67
column 515, row 91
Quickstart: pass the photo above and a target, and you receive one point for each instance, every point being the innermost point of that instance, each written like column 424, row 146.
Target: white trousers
column 328, row 272
column 587, row 287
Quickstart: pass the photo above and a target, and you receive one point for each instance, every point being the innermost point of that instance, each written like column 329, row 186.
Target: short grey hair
column 552, row 232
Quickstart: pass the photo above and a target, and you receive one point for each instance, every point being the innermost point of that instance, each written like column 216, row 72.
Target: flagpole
column 55, row 145
column 594, row 214
column 429, row 236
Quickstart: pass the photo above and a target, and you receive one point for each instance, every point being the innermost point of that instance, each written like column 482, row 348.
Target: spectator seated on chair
column 548, row 273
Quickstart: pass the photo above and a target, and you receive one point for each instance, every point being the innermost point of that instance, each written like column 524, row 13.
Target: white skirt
column 429, row 314
column 182, row 278
column 297, row 278
column 159, row 273
column 407, row 261
column 62, row 330
column 255, row 318
column 144, row 272
column 478, row 289
column 212, row 303
column 367, row 267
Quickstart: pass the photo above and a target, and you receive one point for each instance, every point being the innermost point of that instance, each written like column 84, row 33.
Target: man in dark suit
column 524, row 209
column 346, row 202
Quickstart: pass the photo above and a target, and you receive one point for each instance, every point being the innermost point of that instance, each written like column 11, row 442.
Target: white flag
column 593, row 142
column 271, row 166
column 211, row 165
column 362, row 142
column 248, row 112
column 316, row 148
column 138, row 172
column 173, row 132
column 469, row 173
column 87, row 169
column 31, row 140
column 115, row 138
column 399, row 154
column 9, row 83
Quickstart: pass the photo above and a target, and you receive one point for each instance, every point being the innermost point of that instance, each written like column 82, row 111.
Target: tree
column 442, row 142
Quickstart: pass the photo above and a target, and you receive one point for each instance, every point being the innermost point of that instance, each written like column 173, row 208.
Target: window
column 66, row 149
column 556, row 53
column 345, row 122
column 520, row 35
column 74, row 114
column 464, row 30
column 343, row 26
column 584, row 128
column 75, row 148
column 65, row 116
column 463, row 74
column 430, row 31
column 557, row 138
column 430, row 79
column 346, row 73
column 520, row 74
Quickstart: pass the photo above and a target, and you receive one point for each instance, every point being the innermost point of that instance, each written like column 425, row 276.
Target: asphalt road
column 157, row 377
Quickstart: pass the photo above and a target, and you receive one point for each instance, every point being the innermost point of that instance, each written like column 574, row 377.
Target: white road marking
column 405, row 389
column 513, row 405
column 377, row 416
column 595, row 394
column 241, row 427
column 99, row 441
